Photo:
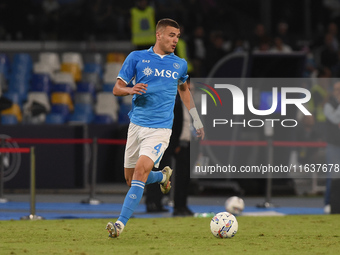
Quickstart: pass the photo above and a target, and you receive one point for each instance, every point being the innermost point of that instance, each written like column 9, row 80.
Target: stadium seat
column 107, row 104
column 113, row 68
column 83, row 98
column 19, row 87
column 72, row 57
column 111, row 72
column 110, row 78
column 108, row 87
column 5, row 65
column 103, row 119
column 83, row 108
column 51, row 59
column 22, row 67
column 62, row 77
column 83, row 113
column 87, row 87
column 115, row 57
column 94, row 68
column 63, row 87
column 73, row 69
column 13, row 110
column 9, row 119
column 62, row 98
column 19, row 79
column 93, row 58
column 123, row 117
column 41, row 82
column 92, row 78
column 21, row 72
column 60, row 109
column 77, row 117
column 55, row 118
column 22, row 59
column 14, row 97
column 58, row 115
column 125, row 105
column 42, row 68
column 38, row 97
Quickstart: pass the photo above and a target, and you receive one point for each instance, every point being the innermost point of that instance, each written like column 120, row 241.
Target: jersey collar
column 152, row 51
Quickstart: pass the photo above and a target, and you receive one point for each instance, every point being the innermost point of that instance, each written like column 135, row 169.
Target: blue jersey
column 154, row 108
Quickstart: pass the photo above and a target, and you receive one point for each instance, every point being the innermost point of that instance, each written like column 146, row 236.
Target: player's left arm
column 188, row 101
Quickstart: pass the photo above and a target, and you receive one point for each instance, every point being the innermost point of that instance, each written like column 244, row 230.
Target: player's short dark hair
column 163, row 23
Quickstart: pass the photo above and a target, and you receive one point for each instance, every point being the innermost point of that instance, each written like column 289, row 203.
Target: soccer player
column 158, row 75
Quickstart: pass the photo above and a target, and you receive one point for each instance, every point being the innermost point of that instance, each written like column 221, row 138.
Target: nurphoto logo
column 238, row 104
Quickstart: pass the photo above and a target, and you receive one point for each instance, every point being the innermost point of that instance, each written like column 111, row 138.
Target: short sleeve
column 128, row 70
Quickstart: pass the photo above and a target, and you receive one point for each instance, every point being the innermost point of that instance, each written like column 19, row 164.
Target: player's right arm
column 126, row 75
column 121, row 89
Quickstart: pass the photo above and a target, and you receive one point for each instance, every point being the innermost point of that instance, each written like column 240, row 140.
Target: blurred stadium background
column 59, row 60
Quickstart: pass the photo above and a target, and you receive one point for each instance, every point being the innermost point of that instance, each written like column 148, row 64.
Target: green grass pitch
column 308, row 234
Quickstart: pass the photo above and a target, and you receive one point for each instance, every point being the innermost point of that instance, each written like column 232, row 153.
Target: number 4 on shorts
column 158, row 147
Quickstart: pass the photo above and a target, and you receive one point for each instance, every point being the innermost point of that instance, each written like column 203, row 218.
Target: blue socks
column 154, row 176
column 132, row 200
column 135, row 194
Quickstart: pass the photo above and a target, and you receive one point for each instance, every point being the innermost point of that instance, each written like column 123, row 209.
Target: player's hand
column 139, row 89
column 200, row 133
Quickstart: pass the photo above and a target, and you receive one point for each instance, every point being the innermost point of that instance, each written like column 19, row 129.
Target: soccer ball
column 234, row 205
column 223, row 225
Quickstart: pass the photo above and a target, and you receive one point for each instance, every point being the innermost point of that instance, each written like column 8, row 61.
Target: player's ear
column 158, row 35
